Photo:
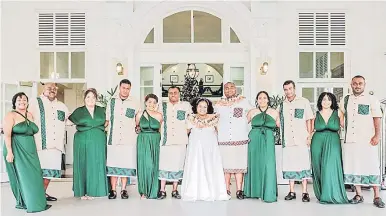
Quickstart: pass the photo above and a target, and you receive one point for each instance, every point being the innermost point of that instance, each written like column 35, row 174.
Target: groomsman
column 50, row 115
column 362, row 113
column 233, row 132
column 122, row 138
column 174, row 139
column 295, row 118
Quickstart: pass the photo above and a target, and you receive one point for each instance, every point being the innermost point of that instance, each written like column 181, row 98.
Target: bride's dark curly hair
column 196, row 101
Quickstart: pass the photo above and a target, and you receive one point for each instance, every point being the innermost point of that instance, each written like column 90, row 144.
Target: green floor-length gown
column 89, row 152
column 148, row 147
column 260, row 179
column 25, row 173
column 326, row 160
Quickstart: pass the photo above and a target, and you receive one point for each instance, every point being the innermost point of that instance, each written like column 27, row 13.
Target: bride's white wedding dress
column 203, row 173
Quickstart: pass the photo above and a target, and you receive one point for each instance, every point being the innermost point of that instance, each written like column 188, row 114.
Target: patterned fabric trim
column 116, row 171
column 112, row 106
column 164, row 109
column 168, row 175
column 235, row 170
column 51, row 173
column 42, row 123
column 362, row 179
column 345, row 116
column 297, row 175
column 282, row 125
column 234, row 143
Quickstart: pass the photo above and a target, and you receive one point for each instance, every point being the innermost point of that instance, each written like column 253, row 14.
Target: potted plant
column 276, row 100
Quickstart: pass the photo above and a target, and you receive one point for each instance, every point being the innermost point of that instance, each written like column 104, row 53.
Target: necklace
column 203, row 122
column 231, row 100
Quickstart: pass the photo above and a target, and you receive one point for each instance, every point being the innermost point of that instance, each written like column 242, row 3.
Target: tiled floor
column 67, row 205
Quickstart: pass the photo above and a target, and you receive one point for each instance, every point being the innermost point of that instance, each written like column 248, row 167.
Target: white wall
column 115, row 34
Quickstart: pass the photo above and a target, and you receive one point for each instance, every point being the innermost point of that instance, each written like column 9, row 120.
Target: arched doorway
column 178, row 34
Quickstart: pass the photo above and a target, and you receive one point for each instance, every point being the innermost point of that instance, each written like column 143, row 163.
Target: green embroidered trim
column 116, row 171
column 345, row 116
column 168, row 175
column 362, row 179
column 164, row 109
column 282, row 125
column 112, row 106
column 51, row 173
column 297, row 175
column 42, row 123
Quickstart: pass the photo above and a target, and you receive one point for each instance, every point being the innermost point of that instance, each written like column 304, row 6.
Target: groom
column 233, row 132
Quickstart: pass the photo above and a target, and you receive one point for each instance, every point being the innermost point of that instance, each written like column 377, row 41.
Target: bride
column 203, row 174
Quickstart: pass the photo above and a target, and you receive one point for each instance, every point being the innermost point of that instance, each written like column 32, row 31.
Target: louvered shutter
column 322, row 29
column 62, row 29
column 338, row 28
column 46, row 29
column 306, row 28
column 78, row 29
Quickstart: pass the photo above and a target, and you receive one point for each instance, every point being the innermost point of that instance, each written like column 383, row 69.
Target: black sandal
column 240, row 195
column 161, row 195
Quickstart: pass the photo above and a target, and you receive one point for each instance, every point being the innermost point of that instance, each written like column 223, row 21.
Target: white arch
column 234, row 13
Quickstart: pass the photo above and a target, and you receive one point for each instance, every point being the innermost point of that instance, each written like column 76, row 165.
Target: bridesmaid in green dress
column 260, row 179
column 21, row 158
column 148, row 147
column 89, row 149
column 326, row 152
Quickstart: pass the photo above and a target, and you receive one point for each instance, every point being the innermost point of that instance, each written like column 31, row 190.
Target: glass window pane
column 10, row 91
column 207, row 28
column 78, row 65
column 237, row 75
column 240, row 90
column 177, row 28
column 145, row 91
column 150, row 37
column 338, row 92
column 321, row 65
column 320, row 90
column 147, row 76
column 306, row 61
column 62, row 61
column 309, row 94
column 46, row 64
column 337, row 64
column 233, row 37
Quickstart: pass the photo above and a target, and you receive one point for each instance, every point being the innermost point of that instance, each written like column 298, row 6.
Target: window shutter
column 322, row 29
column 78, row 29
column 62, row 29
column 306, row 28
column 46, row 29
column 338, row 28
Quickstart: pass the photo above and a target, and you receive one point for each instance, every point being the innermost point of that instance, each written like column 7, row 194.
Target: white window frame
column 228, row 77
column 157, row 84
column 329, row 79
column 69, row 79
column 314, row 85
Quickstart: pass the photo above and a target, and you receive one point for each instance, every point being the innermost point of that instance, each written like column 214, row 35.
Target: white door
column 149, row 79
column 7, row 92
column 239, row 74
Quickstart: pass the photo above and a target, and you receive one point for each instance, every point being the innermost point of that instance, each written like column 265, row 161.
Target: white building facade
column 319, row 45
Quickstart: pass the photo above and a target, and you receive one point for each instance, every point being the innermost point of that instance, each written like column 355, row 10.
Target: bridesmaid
column 326, row 152
column 22, row 162
column 148, row 147
column 260, row 179
column 89, row 149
